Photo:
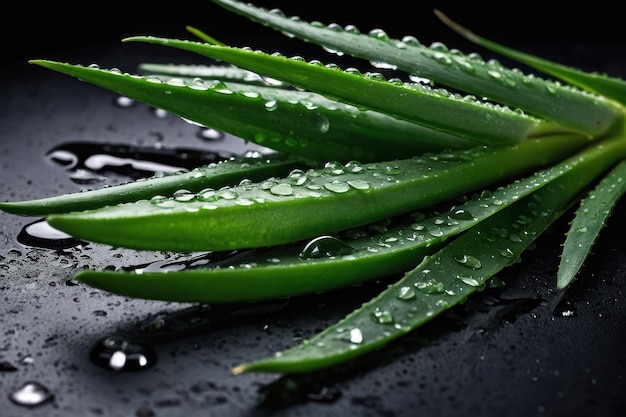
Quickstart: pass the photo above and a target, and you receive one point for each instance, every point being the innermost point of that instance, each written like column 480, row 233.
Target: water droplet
column 334, row 168
column 469, row 281
column 406, row 293
column 160, row 113
column 443, row 59
column 119, row 354
column 323, row 124
column 208, row 194
column 430, row 286
column 324, row 247
column 163, row 202
column 209, row 134
column 359, row 184
column 271, row 105
column 565, row 309
column 337, row 186
column 226, row 193
column 461, row 214
column 183, row 196
column 283, row 189
column 124, row 102
column 31, row 394
column 435, row 231
column 356, row 336
column 469, row 261
column 297, row 177
column 382, row 316
column 354, row 167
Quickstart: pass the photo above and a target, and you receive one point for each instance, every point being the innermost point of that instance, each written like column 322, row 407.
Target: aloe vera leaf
column 203, row 36
column 551, row 101
column 602, row 84
column 447, row 277
column 208, row 72
column 294, row 122
column 351, row 257
column 216, row 175
column 322, row 264
column 484, row 123
column 590, row 218
column 312, row 203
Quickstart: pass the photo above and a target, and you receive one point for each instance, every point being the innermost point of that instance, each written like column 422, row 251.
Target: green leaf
column 588, row 222
column 217, row 175
column 602, row 84
column 446, row 278
column 319, row 201
column 438, row 109
column 551, row 101
column 295, row 122
column 324, row 262
column 225, row 73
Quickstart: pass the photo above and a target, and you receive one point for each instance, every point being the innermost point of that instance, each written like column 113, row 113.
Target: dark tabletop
column 524, row 350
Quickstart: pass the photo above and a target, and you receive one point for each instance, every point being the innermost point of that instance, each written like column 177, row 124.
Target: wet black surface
column 523, row 350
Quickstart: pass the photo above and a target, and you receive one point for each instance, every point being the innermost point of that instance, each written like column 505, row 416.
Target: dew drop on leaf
column 325, row 247
column 469, row 261
column 283, row 189
column 382, row 316
column 337, row 186
column 461, row 214
column 356, row 336
column 430, row 287
column 469, row 281
column 358, row 184
column 297, row 177
column 406, row 293
column 354, row 167
column 323, row 124
column 334, row 168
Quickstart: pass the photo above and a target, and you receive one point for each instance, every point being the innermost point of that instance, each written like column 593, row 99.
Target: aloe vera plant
column 443, row 183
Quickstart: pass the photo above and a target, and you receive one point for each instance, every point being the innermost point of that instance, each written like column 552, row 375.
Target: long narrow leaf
column 445, row 278
column 355, row 256
column 603, row 84
column 440, row 110
column 226, row 173
column 208, row 72
column 588, row 222
column 570, row 107
column 317, row 202
column 295, row 122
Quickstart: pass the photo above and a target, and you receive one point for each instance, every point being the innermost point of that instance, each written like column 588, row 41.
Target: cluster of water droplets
column 334, row 178
column 471, row 64
column 433, row 290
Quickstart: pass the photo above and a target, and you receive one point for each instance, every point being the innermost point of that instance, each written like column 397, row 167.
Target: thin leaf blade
column 295, row 122
column 571, row 108
column 602, row 84
column 417, row 103
column 589, row 220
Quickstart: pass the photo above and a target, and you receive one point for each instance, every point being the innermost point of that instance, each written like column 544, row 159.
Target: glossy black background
column 490, row 360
